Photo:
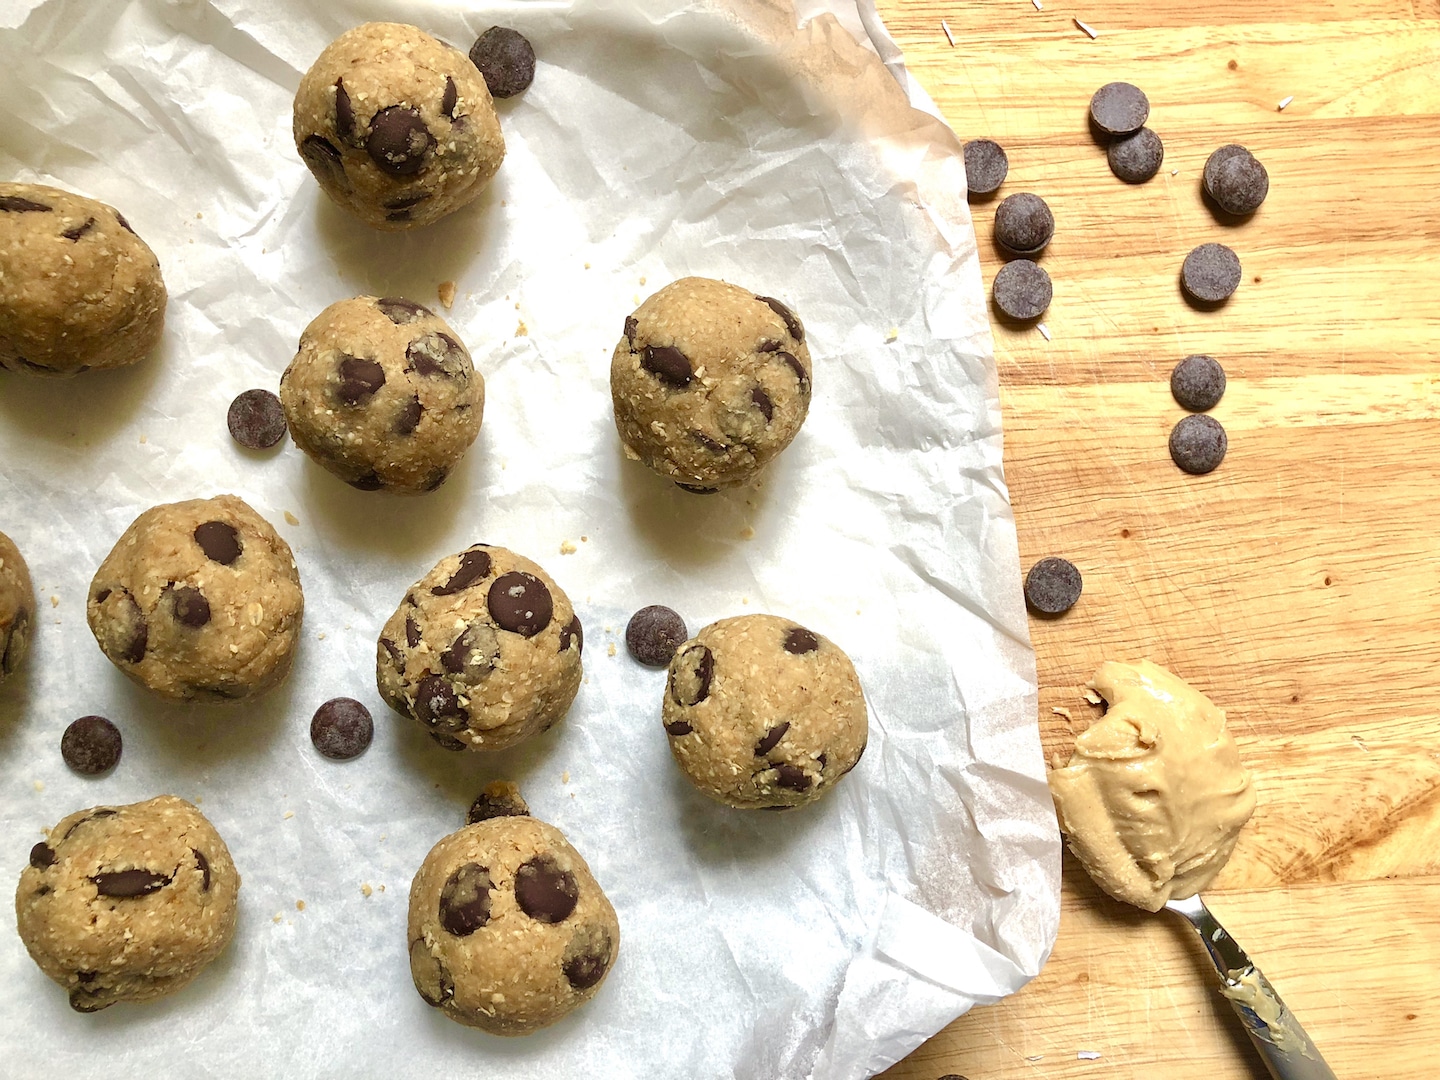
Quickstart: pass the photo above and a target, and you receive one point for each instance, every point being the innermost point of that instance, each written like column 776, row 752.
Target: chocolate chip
column 43, row 890
column 1119, row 108
column 506, row 60
column 544, row 891
column 573, row 633
column 83, row 1002
column 1052, row 586
column 203, row 865
column 793, row 777
column 474, row 566
column 438, row 477
column 678, row 728
column 15, row 641
column 437, row 354
column 409, row 418
column 1198, row 383
column 771, row 738
column 690, row 674
column 668, row 364
column 1024, row 224
column 798, row 368
column 87, row 976
column 369, row 482
column 499, row 799
column 761, row 401
column 412, row 632
column 91, row 745
column 256, row 420
column 800, row 641
column 42, row 855
column 94, row 815
column 78, row 231
column 696, row 489
column 398, row 215
column 120, row 218
column 708, row 443
column 128, row 883
column 1022, row 290
column 399, row 141
column 134, row 649
column 448, row 742
column 653, row 634
column 404, row 203
column 986, row 166
column 396, row 308
column 433, row 981
column 792, row 323
column 520, row 602
column 1210, row 273
column 397, row 658
column 341, row 729
column 436, row 703
column 190, row 606
column 587, row 957
column 360, row 379
column 344, row 114
column 768, row 345
column 465, row 899
column 16, row 204
column 219, row 540
column 1198, row 444
column 474, row 652
column 631, row 325
column 1136, row 158
column 324, row 160
column 449, row 99
column 1235, row 180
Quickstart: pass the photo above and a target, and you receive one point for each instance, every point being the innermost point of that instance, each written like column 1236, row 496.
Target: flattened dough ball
column 127, row 903
column 763, row 713
column 199, row 601
column 484, row 651
column 508, row 929
column 709, row 383
column 383, row 395
column 17, row 607
column 78, row 288
column 397, row 127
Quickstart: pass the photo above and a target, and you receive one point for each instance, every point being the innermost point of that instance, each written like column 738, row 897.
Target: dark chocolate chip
column 793, row 777
column 256, row 420
column 449, row 99
column 793, row 325
column 369, row 482
column 324, row 160
column 653, row 634
column 587, row 957
column 497, row 800
column 80, row 230
column 1198, row 444
column 800, row 641
column 344, row 114
column 544, row 891
column 412, row 632
column 668, row 364
column 341, row 729
column 437, row 354
column 436, row 703
column 94, row 815
column 448, row 742
column 119, row 217
column 219, row 540
column 696, row 489
column 1235, row 180
column 1136, row 158
column 710, row 444
column 474, row 566
column 189, row 605
column 83, row 1002
column 102, row 596
column 409, row 418
column 203, row 865
column 1024, row 224
column 1198, row 383
column 761, row 401
column 360, row 379
column 432, row 979
column 798, row 368
column 405, row 202
column 87, row 977
column 474, row 652
column 768, row 345
column 631, row 325
column 574, row 634
column 15, row 641
column 91, row 745
column 1022, row 290
column 690, row 674
column 42, row 855
column 134, row 649
column 393, row 651
column 520, row 602
column 771, row 738
column 986, row 166
column 438, row 477
column 1210, row 273
column 505, row 59
column 678, row 728
column 398, row 215
column 16, row 204
column 821, row 760
column 583, row 972
column 399, row 141
column 43, row 890
column 399, row 310
column 465, row 899
column 1052, row 586
column 129, row 883
column 1119, row 108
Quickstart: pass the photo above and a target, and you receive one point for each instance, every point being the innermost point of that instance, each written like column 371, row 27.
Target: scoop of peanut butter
column 1154, row 796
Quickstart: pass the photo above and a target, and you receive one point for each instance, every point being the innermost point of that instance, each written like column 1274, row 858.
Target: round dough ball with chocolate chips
column 127, row 903
column 709, row 383
column 484, row 651
column 397, row 127
column 17, row 607
column 508, row 929
column 763, row 713
column 199, row 601
column 78, row 288
column 383, row 394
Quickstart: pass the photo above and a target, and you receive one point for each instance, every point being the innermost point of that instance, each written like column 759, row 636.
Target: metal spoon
column 1278, row 1037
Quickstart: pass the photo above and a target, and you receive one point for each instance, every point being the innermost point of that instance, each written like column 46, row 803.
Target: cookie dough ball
column 127, row 903
column 484, row 651
column 397, row 127
column 761, row 712
column 17, row 607
column 199, row 601
column 709, row 382
column 508, row 930
column 383, row 394
column 78, row 288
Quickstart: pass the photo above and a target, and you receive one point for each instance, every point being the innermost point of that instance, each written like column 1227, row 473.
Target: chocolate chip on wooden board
column 1198, row 444
column 1210, row 274
column 256, row 420
column 1052, row 586
column 341, row 729
column 506, row 60
column 1118, row 108
column 1198, row 383
column 1137, row 157
column 1235, row 180
column 1022, row 290
column 986, row 166
column 653, row 634
column 91, row 745
column 1024, row 224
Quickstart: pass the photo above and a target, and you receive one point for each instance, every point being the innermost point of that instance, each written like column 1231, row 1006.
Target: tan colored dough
column 381, row 66
column 175, row 920
column 91, row 299
column 761, row 712
column 17, row 607
column 478, row 951
column 383, row 395
column 144, row 591
column 445, row 660
column 709, row 429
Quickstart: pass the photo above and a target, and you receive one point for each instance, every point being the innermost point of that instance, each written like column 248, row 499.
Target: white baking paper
column 660, row 138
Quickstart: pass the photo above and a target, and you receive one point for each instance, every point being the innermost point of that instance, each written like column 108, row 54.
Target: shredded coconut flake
column 1088, row 29
column 1283, row 102
column 948, row 36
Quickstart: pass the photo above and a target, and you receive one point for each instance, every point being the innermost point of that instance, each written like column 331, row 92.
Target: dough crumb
column 892, row 335
column 446, row 292
column 745, row 600
column 365, row 889
column 54, row 600
column 584, row 539
column 609, row 651
column 320, row 636
column 291, row 519
column 642, row 281
column 277, row 917
column 567, row 547
column 40, row 784
column 521, row 329
column 1090, row 695
column 747, row 533
column 565, row 777
column 382, row 888
column 1060, row 710
column 587, row 266
column 299, row 905
column 144, row 438
column 289, row 814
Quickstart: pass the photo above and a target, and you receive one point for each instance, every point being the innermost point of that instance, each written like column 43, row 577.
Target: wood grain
column 1299, row 584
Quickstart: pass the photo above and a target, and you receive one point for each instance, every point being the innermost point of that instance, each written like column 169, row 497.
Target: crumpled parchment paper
column 660, row 138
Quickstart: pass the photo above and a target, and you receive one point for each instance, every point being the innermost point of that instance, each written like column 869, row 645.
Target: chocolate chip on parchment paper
column 91, row 745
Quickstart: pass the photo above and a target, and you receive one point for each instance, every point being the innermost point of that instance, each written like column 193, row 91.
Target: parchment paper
column 660, row 138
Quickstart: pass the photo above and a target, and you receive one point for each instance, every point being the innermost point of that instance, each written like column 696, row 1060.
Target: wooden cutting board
column 1299, row 584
